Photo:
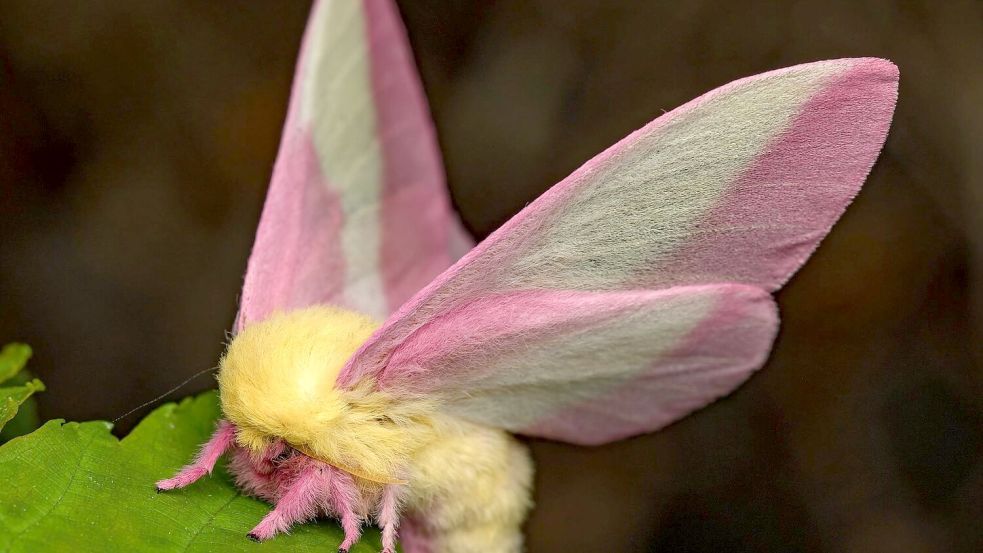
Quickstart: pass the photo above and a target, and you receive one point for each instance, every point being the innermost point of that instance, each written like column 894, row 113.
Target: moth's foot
column 349, row 542
column 263, row 531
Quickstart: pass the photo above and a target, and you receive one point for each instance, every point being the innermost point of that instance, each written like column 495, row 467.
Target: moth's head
column 277, row 377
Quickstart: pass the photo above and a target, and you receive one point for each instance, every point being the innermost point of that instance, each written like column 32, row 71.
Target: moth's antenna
column 165, row 394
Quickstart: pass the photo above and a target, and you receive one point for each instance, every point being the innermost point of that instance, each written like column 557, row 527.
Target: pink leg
column 388, row 517
column 343, row 498
column 298, row 504
column 205, row 461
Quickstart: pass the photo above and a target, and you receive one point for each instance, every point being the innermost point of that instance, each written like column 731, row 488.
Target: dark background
column 136, row 140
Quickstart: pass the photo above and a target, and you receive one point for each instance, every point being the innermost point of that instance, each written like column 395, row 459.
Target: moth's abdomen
column 470, row 492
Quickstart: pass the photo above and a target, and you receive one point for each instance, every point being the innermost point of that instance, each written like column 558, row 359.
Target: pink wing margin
column 738, row 186
column 367, row 226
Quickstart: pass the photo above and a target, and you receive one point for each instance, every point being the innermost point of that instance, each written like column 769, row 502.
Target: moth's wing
column 739, row 186
column 588, row 367
column 357, row 212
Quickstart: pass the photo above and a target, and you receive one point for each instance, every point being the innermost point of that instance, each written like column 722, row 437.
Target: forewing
column 739, row 185
column 357, row 212
column 588, row 367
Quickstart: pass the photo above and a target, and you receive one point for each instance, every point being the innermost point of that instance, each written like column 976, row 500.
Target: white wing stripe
column 338, row 103
column 607, row 357
column 625, row 208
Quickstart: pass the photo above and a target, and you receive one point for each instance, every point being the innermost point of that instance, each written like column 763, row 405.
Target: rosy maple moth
column 373, row 375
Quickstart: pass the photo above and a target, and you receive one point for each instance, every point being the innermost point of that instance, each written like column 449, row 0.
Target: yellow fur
column 471, row 484
column 277, row 379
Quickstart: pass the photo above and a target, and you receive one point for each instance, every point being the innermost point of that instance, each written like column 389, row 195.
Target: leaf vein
column 209, row 521
column 64, row 492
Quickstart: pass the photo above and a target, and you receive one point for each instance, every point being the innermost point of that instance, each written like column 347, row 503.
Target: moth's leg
column 388, row 516
column 205, row 461
column 298, row 504
column 343, row 497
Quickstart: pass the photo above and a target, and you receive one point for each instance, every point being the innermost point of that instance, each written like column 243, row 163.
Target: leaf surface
column 13, row 357
column 13, row 396
column 75, row 487
column 16, row 388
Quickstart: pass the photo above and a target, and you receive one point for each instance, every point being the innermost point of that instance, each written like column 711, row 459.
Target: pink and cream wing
column 739, row 185
column 357, row 212
column 588, row 367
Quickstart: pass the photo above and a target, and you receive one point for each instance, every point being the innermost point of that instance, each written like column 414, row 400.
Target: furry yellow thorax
column 277, row 380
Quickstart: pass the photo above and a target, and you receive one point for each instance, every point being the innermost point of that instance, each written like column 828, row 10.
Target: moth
column 371, row 377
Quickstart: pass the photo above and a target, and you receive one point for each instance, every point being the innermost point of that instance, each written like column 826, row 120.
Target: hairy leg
column 299, row 503
column 342, row 499
column 388, row 516
column 205, row 461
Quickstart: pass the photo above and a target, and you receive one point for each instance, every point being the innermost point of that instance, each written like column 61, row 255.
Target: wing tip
column 882, row 66
column 869, row 86
column 882, row 77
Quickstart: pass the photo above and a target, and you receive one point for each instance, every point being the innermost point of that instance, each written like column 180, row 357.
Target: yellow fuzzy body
column 467, row 486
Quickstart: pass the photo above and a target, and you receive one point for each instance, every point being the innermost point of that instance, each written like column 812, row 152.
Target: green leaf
column 12, row 397
column 75, row 487
column 18, row 388
column 26, row 419
column 13, row 357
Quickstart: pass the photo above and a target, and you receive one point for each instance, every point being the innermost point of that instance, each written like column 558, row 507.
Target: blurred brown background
column 136, row 140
